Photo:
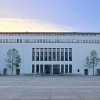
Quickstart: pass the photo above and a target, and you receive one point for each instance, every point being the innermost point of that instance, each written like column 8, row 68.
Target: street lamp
column 34, row 61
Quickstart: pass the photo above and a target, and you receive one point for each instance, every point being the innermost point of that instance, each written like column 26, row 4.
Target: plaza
column 49, row 87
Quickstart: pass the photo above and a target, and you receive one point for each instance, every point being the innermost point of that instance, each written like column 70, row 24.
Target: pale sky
column 50, row 15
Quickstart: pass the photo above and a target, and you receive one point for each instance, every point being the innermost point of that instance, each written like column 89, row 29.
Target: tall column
column 52, row 68
column 64, row 68
column 60, row 68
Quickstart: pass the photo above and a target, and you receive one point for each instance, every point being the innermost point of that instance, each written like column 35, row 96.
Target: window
column 83, row 41
column 78, row 70
column 70, row 68
column 62, row 68
column 40, row 40
column 70, row 40
column 37, row 68
column 33, row 54
column 43, row 40
column 32, row 68
column 66, row 54
column 66, row 68
column 47, row 41
column 37, row 40
column 70, row 54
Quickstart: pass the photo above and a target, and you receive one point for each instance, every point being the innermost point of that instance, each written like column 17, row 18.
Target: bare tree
column 92, row 60
column 13, row 59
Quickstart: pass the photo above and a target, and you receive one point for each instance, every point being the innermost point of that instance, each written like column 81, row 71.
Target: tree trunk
column 93, row 69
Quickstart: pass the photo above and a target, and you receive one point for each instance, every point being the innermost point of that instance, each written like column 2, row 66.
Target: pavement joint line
column 50, row 86
column 76, row 94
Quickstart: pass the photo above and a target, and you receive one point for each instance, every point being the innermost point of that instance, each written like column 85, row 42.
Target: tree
column 13, row 59
column 92, row 60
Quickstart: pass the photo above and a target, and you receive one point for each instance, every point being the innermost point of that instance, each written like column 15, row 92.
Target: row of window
column 51, row 34
column 48, row 69
column 52, row 54
column 48, row 41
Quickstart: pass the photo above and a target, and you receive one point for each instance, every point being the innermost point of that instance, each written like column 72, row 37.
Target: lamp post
column 34, row 61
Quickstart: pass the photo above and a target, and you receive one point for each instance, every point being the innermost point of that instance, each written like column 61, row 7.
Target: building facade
column 50, row 52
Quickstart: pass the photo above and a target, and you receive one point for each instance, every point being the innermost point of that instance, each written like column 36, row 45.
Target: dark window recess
column 32, row 68
column 66, row 68
column 70, row 68
column 78, row 70
column 70, row 54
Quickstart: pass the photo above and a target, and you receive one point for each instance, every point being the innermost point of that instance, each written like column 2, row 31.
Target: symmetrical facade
column 49, row 52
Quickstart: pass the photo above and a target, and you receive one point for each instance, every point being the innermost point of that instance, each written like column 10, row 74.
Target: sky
column 50, row 15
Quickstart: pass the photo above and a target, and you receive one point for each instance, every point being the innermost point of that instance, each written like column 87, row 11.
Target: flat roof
column 49, row 32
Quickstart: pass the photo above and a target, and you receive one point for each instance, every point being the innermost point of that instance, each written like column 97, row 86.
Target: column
column 52, row 68
column 60, row 68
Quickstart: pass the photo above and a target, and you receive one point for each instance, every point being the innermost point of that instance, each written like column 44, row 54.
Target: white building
column 50, row 52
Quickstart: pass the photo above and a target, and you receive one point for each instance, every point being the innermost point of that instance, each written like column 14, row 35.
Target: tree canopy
column 13, row 59
column 92, row 60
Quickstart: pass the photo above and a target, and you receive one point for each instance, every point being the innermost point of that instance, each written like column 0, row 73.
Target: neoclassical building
column 50, row 52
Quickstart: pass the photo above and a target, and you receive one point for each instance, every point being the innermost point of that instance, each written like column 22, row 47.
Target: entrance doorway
column 98, row 71
column 47, row 69
column 85, row 71
column 56, row 69
column 17, row 71
column 5, row 71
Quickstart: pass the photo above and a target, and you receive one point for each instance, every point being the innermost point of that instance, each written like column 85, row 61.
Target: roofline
column 47, row 32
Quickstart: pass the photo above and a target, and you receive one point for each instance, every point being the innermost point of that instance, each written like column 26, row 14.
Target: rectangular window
column 62, row 54
column 40, row 40
column 58, row 54
column 86, row 41
column 32, row 68
column 26, row 40
column 83, row 41
column 62, row 68
column 66, row 54
column 43, row 40
column 66, row 40
column 41, row 68
column 89, row 41
column 37, row 54
column 47, row 41
column 66, row 68
column 49, row 54
column 37, row 40
column 70, row 68
column 41, row 56
column 57, row 41
column 33, row 54
column 70, row 54
column 63, row 40
column 70, row 40
column 6, row 40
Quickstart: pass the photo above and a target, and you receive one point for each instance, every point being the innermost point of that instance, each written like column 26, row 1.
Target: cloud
column 30, row 25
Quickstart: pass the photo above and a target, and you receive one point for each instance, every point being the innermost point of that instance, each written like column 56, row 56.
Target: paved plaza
column 50, row 88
